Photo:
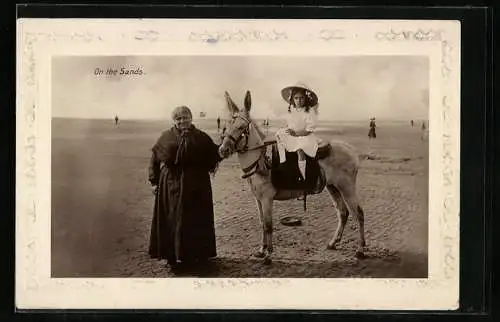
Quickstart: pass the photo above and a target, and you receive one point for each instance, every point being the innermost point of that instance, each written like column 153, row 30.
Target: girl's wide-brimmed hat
column 311, row 97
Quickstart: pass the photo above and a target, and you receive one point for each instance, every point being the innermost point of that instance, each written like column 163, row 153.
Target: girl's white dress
column 298, row 120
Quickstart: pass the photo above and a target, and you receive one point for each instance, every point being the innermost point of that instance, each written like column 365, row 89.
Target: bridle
column 245, row 134
column 254, row 167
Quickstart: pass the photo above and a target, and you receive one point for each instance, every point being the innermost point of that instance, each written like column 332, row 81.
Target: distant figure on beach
column 425, row 132
column 223, row 132
column 411, row 122
column 265, row 123
column 372, row 134
column 218, row 124
column 116, row 119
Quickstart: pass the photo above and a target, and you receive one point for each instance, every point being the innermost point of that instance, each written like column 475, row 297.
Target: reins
column 253, row 168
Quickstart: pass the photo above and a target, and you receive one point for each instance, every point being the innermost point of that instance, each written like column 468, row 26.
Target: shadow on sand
column 400, row 266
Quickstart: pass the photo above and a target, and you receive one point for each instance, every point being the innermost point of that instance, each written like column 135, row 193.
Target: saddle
column 287, row 176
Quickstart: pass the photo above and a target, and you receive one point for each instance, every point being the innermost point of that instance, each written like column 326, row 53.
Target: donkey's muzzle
column 224, row 151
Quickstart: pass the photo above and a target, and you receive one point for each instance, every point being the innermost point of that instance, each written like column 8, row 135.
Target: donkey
column 338, row 163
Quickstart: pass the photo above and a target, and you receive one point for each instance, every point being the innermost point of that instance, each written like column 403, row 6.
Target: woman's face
column 299, row 100
column 183, row 120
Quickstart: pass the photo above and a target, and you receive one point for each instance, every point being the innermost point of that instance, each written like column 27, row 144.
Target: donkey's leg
column 261, row 252
column 342, row 215
column 267, row 212
column 301, row 160
column 353, row 206
column 361, row 220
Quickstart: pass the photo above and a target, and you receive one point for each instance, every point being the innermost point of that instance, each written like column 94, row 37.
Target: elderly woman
column 182, row 230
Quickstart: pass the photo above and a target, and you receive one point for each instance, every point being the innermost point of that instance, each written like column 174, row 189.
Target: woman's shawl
column 181, row 149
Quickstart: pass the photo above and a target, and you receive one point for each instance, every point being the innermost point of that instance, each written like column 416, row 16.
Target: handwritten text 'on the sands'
column 123, row 71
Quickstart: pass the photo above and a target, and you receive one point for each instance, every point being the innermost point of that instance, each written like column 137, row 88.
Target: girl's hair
column 307, row 105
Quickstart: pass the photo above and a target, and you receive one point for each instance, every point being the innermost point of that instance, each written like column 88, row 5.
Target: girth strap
column 259, row 166
column 250, row 170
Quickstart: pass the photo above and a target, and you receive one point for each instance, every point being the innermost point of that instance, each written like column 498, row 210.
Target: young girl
column 301, row 123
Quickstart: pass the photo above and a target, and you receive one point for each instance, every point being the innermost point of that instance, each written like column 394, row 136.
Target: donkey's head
column 237, row 132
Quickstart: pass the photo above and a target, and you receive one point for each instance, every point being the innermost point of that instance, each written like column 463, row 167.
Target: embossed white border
column 38, row 39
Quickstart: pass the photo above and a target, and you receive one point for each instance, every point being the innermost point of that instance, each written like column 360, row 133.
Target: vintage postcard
column 237, row 164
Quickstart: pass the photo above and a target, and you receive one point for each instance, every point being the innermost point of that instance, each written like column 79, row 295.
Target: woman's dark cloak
column 183, row 220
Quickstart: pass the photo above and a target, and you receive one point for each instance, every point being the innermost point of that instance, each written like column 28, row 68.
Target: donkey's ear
column 230, row 104
column 248, row 101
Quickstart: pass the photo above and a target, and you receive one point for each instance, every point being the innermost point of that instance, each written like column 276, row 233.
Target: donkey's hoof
column 267, row 261
column 331, row 247
column 258, row 254
column 360, row 254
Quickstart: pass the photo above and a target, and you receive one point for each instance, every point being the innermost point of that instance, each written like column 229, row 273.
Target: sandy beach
column 102, row 207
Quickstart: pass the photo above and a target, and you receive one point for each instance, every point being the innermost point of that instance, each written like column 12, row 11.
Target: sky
column 348, row 87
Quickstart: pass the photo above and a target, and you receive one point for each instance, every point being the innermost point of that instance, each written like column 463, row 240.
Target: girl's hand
column 155, row 190
column 300, row 133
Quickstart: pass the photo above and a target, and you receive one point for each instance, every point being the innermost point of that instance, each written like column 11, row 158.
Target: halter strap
column 254, row 167
column 246, row 132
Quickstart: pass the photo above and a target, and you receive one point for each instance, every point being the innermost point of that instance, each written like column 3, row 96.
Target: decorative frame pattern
column 33, row 34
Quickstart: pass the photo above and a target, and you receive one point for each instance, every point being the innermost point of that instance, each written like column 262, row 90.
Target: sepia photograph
column 253, row 164
column 212, row 166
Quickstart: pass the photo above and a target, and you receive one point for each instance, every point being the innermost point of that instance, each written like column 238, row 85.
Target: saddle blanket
column 287, row 175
